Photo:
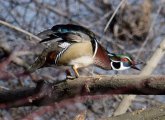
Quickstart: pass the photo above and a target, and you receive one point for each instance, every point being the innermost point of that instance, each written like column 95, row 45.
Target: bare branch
column 20, row 30
column 113, row 15
column 47, row 93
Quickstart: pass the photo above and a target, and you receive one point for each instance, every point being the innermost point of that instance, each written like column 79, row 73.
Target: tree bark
column 46, row 93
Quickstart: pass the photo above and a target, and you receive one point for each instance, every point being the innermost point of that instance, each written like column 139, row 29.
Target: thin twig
column 113, row 15
column 20, row 30
column 150, row 31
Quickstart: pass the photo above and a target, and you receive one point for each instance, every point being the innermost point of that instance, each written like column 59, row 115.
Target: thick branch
column 47, row 93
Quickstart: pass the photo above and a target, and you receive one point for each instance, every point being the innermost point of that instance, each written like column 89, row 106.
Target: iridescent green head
column 122, row 62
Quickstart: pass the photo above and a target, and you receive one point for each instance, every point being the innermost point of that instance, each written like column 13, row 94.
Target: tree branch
column 46, row 93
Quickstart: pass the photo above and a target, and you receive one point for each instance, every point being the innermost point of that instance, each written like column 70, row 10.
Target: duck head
column 122, row 62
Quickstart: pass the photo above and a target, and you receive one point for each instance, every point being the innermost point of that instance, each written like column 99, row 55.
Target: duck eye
column 124, row 60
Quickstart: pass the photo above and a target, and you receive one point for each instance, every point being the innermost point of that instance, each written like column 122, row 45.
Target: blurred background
column 137, row 29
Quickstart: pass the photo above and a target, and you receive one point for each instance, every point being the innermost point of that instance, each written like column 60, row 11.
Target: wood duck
column 122, row 62
column 71, row 45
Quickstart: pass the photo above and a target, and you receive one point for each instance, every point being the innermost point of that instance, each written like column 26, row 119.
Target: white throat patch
column 121, row 67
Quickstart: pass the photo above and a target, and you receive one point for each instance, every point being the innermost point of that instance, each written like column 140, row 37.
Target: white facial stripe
column 110, row 54
column 115, row 61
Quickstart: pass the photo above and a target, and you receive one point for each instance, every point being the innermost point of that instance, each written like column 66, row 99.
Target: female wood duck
column 122, row 62
column 71, row 45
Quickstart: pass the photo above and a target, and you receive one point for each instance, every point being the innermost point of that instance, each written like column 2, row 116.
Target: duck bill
column 134, row 67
